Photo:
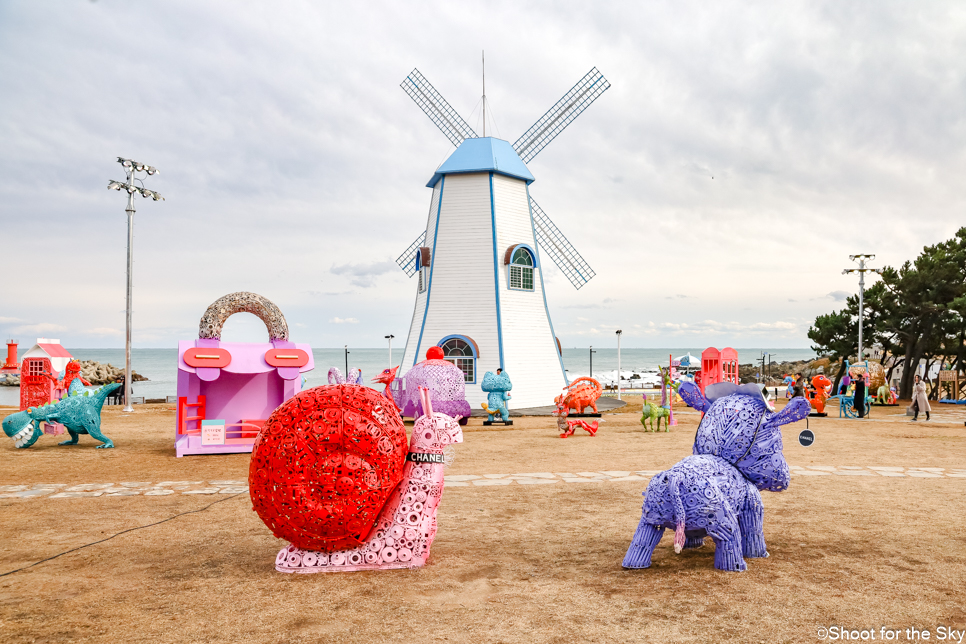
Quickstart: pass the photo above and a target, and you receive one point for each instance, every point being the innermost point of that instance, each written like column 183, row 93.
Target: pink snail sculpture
column 406, row 526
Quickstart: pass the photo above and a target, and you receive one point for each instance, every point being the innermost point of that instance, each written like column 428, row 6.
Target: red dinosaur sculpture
column 582, row 393
column 71, row 372
column 819, row 394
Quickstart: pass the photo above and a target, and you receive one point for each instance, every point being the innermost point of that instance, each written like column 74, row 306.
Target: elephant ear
column 693, row 397
column 797, row 409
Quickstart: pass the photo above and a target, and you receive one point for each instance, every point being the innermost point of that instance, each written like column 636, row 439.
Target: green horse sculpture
column 652, row 412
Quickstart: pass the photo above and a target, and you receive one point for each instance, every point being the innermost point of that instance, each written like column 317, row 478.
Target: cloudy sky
column 743, row 152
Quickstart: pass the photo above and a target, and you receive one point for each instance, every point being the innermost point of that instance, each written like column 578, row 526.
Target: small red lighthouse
column 10, row 366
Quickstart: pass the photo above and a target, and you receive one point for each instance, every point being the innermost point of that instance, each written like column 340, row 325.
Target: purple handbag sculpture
column 715, row 492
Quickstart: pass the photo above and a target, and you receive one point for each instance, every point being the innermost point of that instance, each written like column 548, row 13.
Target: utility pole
column 619, row 332
column 390, row 337
column 132, row 168
column 861, row 270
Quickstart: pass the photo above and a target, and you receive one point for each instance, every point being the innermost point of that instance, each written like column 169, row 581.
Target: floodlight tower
column 131, row 167
column 861, row 270
column 619, row 332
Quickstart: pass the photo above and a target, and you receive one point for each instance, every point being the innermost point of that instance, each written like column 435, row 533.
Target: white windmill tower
column 480, row 293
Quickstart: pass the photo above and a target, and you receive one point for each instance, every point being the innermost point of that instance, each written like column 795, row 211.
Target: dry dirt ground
column 511, row 563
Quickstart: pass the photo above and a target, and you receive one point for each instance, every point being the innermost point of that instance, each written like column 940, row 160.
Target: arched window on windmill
column 422, row 263
column 520, row 260
column 462, row 352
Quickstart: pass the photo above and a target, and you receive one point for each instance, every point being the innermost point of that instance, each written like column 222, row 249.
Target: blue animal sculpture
column 498, row 387
column 80, row 414
column 715, row 492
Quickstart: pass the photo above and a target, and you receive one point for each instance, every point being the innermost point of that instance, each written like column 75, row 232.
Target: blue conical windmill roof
column 483, row 154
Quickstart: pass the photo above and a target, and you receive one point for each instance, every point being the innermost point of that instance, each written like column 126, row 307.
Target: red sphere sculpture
column 435, row 353
column 324, row 465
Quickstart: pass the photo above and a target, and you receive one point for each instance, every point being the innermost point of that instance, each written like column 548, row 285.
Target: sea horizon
column 159, row 365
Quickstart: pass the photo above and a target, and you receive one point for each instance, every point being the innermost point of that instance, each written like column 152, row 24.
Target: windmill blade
column 561, row 115
column 437, row 109
column 561, row 251
column 407, row 261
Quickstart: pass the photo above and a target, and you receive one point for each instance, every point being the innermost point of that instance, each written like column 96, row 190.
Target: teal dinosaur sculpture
column 79, row 413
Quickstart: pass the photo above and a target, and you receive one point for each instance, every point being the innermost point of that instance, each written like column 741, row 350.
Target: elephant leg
column 727, row 541
column 642, row 546
column 750, row 522
column 74, row 436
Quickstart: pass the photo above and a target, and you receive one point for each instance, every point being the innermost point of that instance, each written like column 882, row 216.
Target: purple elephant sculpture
column 447, row 389
column 715, row 492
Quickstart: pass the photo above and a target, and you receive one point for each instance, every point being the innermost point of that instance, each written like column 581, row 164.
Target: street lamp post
column 619, row 332
column 861, row 270
column 592, row 352
column 390, row 337
column 131, row 167
column 346, row 347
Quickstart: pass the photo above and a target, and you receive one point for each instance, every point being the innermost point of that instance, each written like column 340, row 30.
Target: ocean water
column 160, row 366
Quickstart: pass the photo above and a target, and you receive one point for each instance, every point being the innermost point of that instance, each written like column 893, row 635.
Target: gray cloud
column 839, row 296
column 289, row 154
column 364, row 275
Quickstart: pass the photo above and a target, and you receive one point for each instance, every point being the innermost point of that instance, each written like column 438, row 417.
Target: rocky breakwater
column 101, row 374
column 9, row 380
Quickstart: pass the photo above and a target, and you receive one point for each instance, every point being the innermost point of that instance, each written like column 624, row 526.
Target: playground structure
column 953, row 378
column 715, row 492
column 717, row 366
column 226, row 390
column 372, row 505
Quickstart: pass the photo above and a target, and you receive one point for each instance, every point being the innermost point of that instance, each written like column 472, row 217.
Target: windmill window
column 521, row 269
column 462, row 354
column 422, row 263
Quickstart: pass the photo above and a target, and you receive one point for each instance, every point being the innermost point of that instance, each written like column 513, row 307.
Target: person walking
column 858, row 398
column 920, row 401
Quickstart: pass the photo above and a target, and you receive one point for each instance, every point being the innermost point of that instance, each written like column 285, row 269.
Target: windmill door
column 35, row 387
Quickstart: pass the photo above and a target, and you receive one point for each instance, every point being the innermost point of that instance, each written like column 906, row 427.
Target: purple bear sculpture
column 715, row 492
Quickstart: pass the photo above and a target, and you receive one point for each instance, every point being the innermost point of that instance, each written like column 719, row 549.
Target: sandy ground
column 514, row 563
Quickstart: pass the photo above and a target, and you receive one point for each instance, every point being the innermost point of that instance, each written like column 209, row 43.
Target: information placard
column 213, row 432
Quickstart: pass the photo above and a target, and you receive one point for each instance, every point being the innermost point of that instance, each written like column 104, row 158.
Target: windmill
column 480, row 293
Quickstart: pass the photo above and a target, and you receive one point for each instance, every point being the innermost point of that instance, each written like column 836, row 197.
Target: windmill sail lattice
column 561, row 251
column 407, row 261
column 553, row 242
column 437, row 108
column 560, row 115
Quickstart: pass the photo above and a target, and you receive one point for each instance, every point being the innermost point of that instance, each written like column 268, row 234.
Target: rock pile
column 102, row 374
column 808, row 368
column 93, row 371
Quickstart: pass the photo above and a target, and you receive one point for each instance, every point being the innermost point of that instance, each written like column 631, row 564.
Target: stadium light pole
column 390, row 337
column 619, row 332
column 861, row 270
column 132, row 168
